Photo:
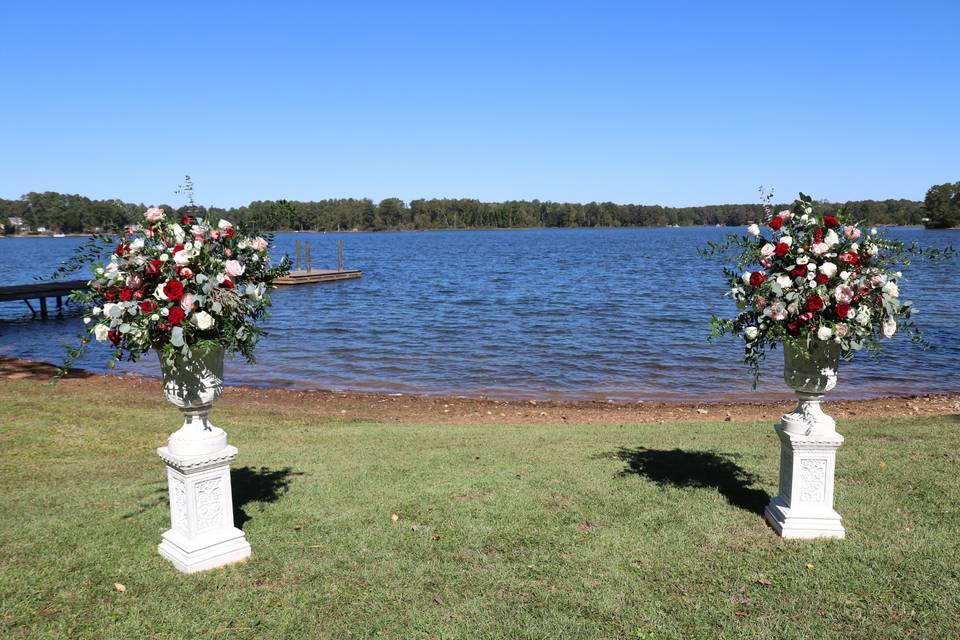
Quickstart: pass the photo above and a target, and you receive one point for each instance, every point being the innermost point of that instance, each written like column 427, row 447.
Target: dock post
column 59, row 306
column 298, row 254
column 308, row 256
column 43, row 308
column 340, row 256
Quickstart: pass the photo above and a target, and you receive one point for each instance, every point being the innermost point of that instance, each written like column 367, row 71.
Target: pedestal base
column 202, row 535
column 804, row 507
column 793, row 523
column 199, row 554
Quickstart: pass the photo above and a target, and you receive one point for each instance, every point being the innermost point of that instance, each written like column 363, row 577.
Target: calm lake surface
column 616, row 314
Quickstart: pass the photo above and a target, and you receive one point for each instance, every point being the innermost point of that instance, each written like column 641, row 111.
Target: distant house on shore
column 18, row 225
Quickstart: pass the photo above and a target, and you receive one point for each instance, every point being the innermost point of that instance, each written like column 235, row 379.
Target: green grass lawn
column 565, row 531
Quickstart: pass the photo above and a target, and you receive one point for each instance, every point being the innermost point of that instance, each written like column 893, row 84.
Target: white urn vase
column 201, row 534
column 808, row 448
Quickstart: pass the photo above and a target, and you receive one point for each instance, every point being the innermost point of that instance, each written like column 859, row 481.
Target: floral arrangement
column 810, row 279
column 174, row 284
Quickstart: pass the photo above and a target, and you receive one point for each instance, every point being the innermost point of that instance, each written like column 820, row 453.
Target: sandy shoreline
column 423, row 409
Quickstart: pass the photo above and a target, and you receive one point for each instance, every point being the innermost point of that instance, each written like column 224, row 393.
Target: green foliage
column 942, row 206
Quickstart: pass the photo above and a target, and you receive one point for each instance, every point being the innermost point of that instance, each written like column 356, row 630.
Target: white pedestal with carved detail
column 201, row 535
column 808, row 450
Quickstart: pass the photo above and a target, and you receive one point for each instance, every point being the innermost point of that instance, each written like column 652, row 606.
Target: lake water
column 615, row 314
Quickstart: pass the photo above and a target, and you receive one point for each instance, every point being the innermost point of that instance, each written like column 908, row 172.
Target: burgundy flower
column 776, row 223
column 173, row 290
column 781, row 249
column 757, row 279
column 814, row 303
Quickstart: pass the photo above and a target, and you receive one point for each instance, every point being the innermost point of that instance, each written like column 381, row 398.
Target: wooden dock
column 318, row 275
column 56, row 289
column 309, row 276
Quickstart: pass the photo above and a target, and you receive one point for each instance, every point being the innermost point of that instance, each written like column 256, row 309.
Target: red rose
column 114, row 337
column 843, row 310
column 799, row 271
column 173, row 290
column 186, row 220
column 126, row 294
column 228, row 283
column 814, row 303
column 176, row 316
column 121, row 249
column 756, row 279
column 148, row 306
column 781, row 249
column 849, row 258
column 179, row 247
column 822, row 278
column 776, row 223
column 229, row 232
column 793, row 326
column 138, row 294
column 154, row 267
column 830, row 222
column 818, row 235
column 109, row 296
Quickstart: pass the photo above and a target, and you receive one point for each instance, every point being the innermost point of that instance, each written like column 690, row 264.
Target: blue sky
column 676, row 103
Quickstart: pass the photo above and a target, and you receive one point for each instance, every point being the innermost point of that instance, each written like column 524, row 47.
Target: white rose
column 100, row 332
column 750, row 333
column 830, row 238
column 253, row 291
column 112, row 310
column 176, row 336
column 767, row 250
column 828, row 269
column 873, row 231
column 785, row 282
column 223, row 225
column 824, row 333
column 844, row 275
column 754, row 230
column 183, row 257
column 891, row 289
column 808, row 209
column 136, row 245
column 203, row 320
column 889, row 327
column 787, row 240
column 745, row 277
column 803, row 260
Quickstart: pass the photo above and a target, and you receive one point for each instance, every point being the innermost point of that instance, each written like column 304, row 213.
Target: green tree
column 942, row 206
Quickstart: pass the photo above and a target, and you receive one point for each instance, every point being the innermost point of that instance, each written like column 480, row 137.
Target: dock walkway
column 41, row 291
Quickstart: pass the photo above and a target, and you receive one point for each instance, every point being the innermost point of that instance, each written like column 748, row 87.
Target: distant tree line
column 63, row 213
column 942, row 206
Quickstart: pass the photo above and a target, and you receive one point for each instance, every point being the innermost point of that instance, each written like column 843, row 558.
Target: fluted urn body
column 194, row 383
column 810, row 375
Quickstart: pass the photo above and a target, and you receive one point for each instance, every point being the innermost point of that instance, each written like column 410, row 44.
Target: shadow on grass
column 257, row 485
column 698, row 469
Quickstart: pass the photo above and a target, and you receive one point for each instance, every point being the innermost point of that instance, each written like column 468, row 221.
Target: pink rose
column 819, row 248
column 889, row 327
column 153, row 214
column 186, row 301
column 766, row 250
column 877, row 281
column 134, row 282
column 843, row 294
column 214, row 235
column 233, row 268
column 186, row 272
column 852, row 233
column 777, row 312
column 841, row 330
column 259, row 244
column 197, row 230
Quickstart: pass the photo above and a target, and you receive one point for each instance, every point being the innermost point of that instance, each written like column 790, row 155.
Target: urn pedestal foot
column 202, row 535
column 804, row 507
